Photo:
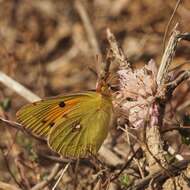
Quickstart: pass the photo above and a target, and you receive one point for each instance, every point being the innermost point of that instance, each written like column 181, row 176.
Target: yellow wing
column 85, row 129
column 76, row 124
column 39, row 117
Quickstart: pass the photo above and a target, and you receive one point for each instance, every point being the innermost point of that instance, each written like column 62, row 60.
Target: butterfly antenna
column 93, row 71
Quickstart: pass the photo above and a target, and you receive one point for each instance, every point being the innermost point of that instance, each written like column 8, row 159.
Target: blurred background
column 45, row 46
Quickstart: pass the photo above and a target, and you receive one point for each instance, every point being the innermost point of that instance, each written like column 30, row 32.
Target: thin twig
column 133, row 151
column 181, row 78
column 89, row 30
column 9, row 169
column 51, row 176
column 85, row 162
column 169, row 22
column 62, row 173
column 18, row 88
column 11, row 123
column 88, row 27
column 180, row 66
column 19, row 127
column 125, row 165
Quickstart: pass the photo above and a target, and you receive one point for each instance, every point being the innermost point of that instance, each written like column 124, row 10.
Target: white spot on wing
column 78, row 126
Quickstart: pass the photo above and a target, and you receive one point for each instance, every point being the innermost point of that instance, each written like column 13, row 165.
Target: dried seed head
column 137, row 92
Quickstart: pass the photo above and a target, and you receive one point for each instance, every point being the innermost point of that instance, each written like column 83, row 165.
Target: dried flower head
column 137, row 92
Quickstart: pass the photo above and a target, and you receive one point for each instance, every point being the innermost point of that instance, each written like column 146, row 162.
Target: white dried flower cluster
column 137, row 92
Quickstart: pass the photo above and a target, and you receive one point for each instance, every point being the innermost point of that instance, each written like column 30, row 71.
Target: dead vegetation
column 51, row 46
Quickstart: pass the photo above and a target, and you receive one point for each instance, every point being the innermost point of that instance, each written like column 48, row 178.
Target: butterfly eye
column 62, row 104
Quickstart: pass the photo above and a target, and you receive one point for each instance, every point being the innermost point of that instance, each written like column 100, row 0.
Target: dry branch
column 18, row 88
column 171, row 86
column 19, row 127
column 61, row 175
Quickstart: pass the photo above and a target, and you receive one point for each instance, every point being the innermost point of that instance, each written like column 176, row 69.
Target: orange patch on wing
column 58, row 111
column 72, row 101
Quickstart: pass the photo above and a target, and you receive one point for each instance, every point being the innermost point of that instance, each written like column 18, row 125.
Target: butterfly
column 74, row 125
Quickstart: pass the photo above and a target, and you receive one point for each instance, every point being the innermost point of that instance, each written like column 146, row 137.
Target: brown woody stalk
column 154, row 150
column 163, row 90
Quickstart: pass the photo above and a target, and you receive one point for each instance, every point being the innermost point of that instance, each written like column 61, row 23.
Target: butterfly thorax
column 103, row 88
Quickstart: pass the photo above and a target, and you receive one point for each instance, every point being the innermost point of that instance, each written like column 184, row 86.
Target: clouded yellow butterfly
column 75, row 125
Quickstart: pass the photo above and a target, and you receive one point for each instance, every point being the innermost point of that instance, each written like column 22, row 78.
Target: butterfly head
column 103, row 87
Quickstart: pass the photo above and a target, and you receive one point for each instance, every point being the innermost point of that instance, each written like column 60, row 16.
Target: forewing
column 84, row 130
column 39, row 117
